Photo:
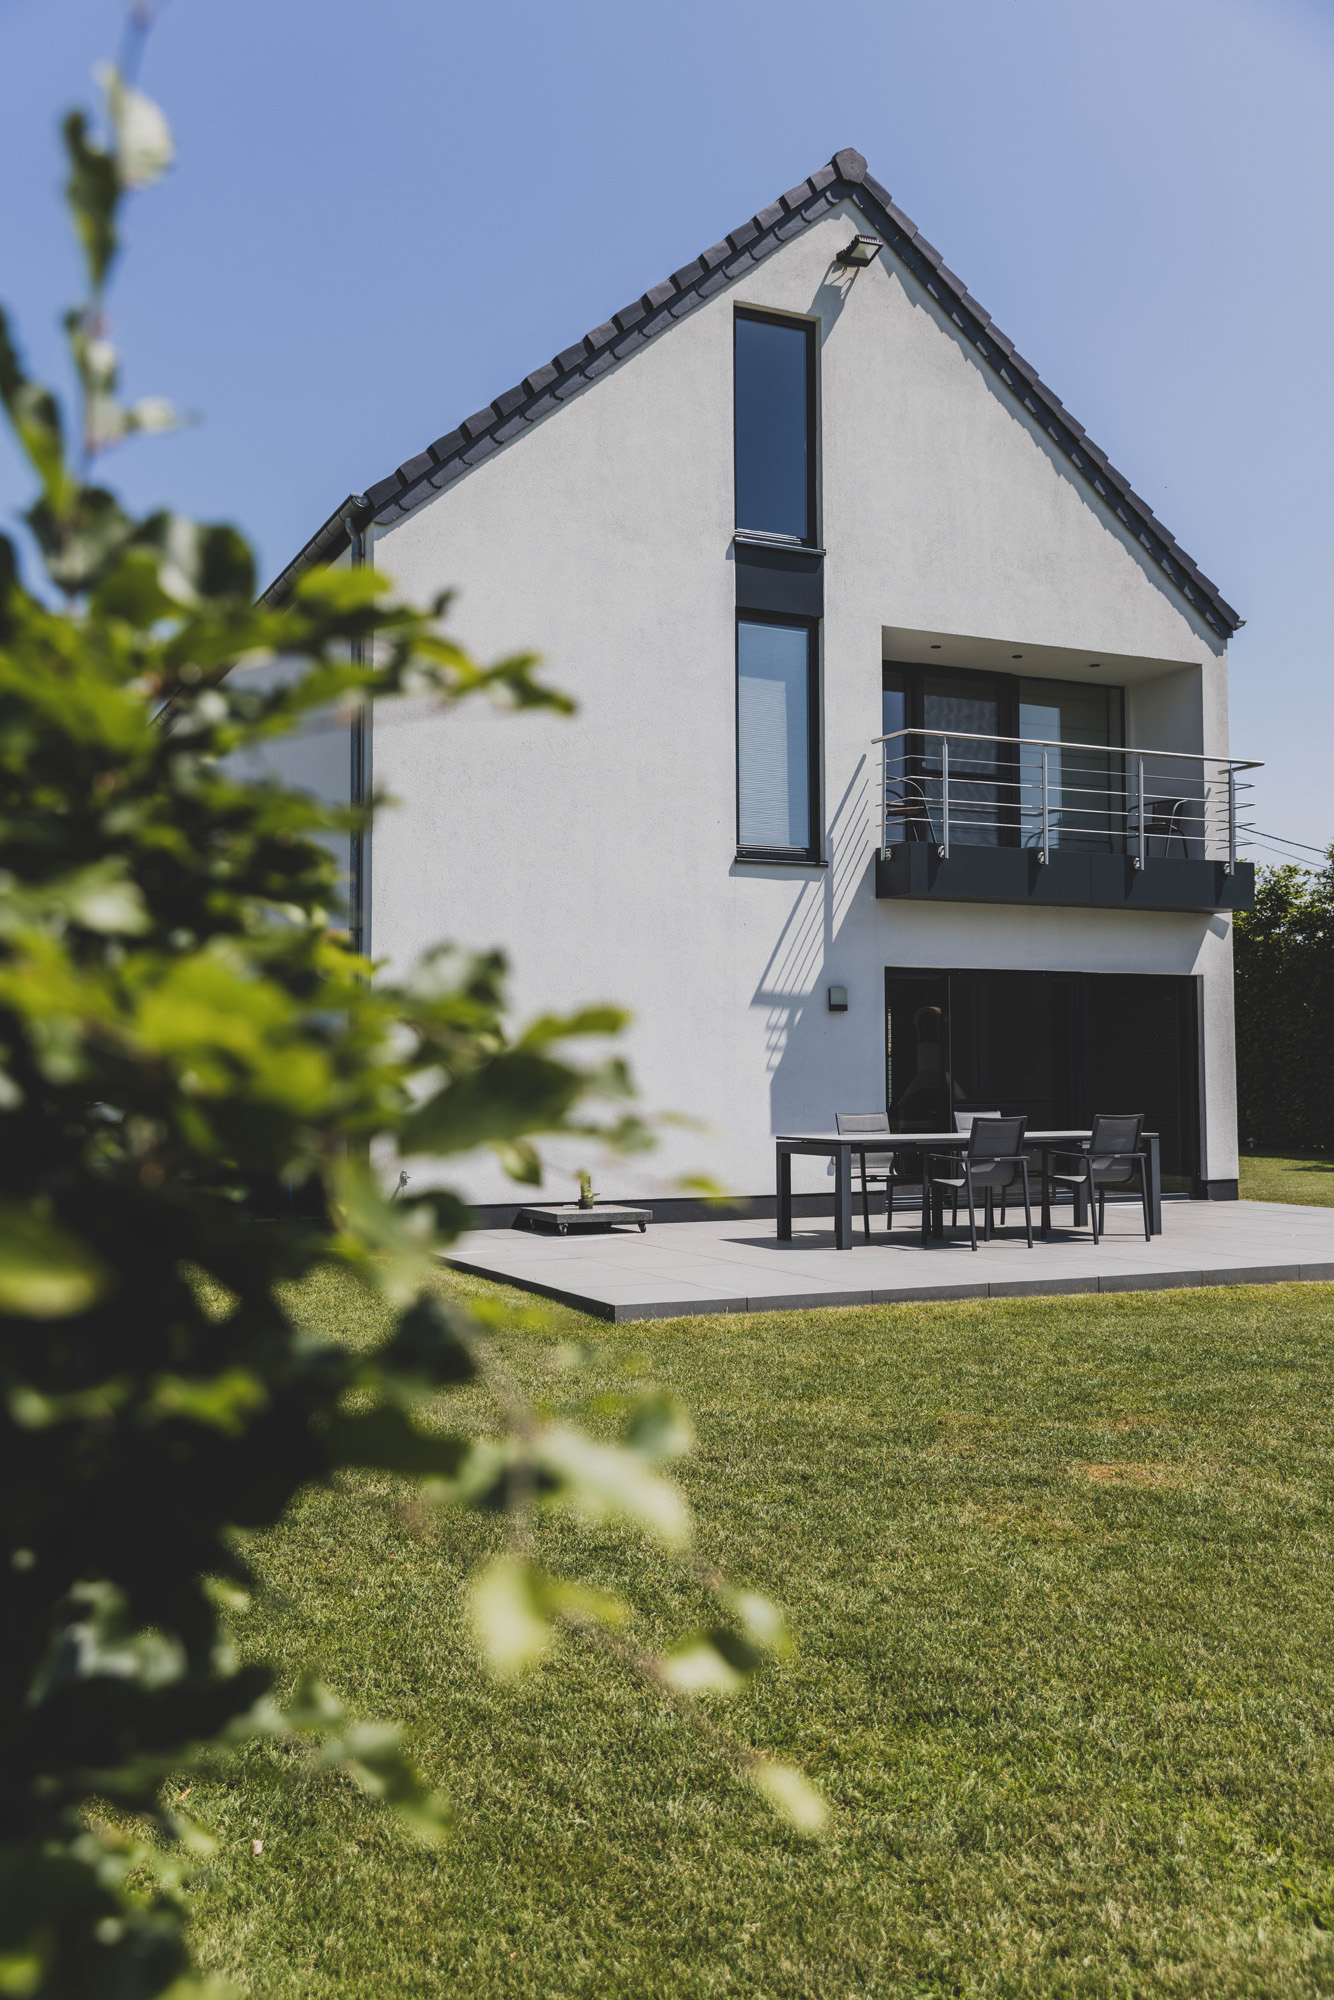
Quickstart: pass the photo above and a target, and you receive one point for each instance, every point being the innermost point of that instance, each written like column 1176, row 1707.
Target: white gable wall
column 600, row 852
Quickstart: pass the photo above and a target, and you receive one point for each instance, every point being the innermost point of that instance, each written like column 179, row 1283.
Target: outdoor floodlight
column 861, row 251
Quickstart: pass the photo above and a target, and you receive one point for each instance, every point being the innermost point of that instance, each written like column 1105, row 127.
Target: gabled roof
column 845, row 178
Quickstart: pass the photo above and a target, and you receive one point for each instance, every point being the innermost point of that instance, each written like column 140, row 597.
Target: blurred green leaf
column 143, row 142
column 659, row 1428
column 45, row 1271
column 515, row 1608
column 792, row 1796
column 698, row 1667
column 602, row 1482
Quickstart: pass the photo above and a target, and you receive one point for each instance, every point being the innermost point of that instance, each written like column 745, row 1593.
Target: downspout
column 355, row 520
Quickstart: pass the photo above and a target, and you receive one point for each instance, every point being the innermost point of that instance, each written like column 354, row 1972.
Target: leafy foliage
column 186, row 1031
column 1284, row 956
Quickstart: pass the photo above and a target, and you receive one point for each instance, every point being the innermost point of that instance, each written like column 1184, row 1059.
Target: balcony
column 1012, row 819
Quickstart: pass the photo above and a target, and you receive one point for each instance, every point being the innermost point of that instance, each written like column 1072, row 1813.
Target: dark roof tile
column 688, row 274
column 414, row 468
column 629, row 316
column 570, row 357
column 601, row 335
column 540, row 379
column 766, row 217
column 383, row 489
column 510, row 401
column 796, row 196
column 479, row 423
column 739, row 238
column 659, row 295
column 850, row 164
column 446, row 446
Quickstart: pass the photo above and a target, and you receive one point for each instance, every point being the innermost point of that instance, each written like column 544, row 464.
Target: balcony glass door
column 980, row 806
column 1085, row 787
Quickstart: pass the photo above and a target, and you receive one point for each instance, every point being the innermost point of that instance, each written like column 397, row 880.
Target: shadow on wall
column 791, row 989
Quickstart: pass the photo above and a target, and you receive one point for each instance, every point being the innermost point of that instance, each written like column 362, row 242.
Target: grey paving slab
column 738, row 1265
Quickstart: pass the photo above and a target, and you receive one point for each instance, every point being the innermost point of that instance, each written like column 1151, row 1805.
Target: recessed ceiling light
column 935, row 645
column 1095, row 663
column 1016, row 656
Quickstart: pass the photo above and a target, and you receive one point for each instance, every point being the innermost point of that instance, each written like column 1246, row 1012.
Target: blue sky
column 385, row 213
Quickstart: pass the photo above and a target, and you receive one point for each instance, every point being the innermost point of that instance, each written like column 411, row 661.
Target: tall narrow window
column 775, row 412
column 775, row 722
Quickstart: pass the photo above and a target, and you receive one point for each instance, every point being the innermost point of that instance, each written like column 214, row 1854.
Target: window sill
column 751, row 538
column 755, row 859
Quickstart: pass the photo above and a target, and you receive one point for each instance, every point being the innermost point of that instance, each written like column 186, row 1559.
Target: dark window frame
column 807, row 327
column 811, row 855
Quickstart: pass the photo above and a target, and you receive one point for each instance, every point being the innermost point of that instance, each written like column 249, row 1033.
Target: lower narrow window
column 775, row 713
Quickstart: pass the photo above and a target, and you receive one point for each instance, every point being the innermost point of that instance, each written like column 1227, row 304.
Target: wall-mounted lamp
column 861, row 251
column 838, row 999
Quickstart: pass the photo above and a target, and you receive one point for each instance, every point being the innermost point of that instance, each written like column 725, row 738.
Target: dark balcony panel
column 916, row 869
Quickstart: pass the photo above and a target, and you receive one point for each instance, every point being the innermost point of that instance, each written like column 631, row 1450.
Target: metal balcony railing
column 954, row 788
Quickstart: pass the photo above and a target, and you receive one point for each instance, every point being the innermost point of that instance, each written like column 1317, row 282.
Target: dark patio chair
column 1112, row 1158
column 1163, row 820
column 1165, row 823
column 963, row 1121
column 870, row 1169
column 994, row 1163
column 912, row 807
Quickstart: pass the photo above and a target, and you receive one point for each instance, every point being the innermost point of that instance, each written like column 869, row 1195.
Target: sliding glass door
column 1085, row 783
column 1058, row 1046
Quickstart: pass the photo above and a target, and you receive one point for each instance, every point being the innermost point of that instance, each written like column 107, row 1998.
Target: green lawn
column 1304, row 1177
column 1061, row 1570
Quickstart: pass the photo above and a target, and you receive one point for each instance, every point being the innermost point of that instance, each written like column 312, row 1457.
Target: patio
column 737, row 1264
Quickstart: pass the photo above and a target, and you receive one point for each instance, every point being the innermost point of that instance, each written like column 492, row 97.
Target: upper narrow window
column 775, row 409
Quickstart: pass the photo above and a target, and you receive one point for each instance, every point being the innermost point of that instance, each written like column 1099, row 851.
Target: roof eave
column 844, row 178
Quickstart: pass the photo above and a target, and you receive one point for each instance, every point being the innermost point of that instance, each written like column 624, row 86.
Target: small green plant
column 185, row 1035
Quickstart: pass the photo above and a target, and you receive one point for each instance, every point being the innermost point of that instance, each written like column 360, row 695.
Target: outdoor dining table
column 840, row 1149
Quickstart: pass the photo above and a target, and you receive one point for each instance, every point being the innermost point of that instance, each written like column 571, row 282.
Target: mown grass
column 1061, row 1574
column 1304, row 1177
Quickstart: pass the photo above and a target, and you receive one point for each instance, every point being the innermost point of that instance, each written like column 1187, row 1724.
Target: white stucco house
column 901, row 771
